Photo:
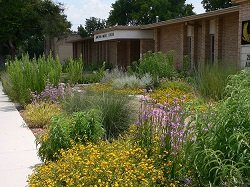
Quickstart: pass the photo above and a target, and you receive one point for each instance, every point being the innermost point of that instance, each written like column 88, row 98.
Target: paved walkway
column 18, row 152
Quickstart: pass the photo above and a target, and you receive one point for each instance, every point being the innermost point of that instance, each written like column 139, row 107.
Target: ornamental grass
column 107, row 164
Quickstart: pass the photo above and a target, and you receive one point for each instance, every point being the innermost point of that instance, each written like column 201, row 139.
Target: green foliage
column 82, row 31
column 144, row 12
column 17, row 32
column 158, row 65
column 80, row 127
column 186, row 67
column 211, row 80
column 210, row 5
column 87, row 126
column 57, row 138
column 40, row 114
column 95, row 76
column 91, row 25
column 222, row 138
column 115, row 109
column 24, row 76
column 75, row 70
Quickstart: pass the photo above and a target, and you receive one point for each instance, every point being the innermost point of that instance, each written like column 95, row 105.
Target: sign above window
column 245, row 35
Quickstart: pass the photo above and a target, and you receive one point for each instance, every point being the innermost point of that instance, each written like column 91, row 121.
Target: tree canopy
column 138, row 12
column 210, row 5
column 91, row 25
column 25, row 21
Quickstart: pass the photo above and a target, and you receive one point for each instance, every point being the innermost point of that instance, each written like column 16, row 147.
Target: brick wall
column 229, row 38
column 146, row 45
column 171, row 38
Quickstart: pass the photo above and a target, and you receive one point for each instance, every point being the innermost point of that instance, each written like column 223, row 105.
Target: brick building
column 211, row 37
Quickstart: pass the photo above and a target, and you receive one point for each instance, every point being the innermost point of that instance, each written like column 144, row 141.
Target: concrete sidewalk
column 18, row 154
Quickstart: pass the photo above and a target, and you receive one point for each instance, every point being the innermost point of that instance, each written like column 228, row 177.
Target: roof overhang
column 124, row 34
column 239, row 1
column 193, row 17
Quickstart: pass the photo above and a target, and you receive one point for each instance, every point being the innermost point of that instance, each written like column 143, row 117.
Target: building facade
column 221, row 36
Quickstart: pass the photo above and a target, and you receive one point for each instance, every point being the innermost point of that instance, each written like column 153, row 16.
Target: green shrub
column 211, row 80
column 222, row 138
column 39, row 114
column 86, row 126
column 95, row 76
column 74, row 70
column 80, row 127
column 57, row 138
column 157, row 64
column 25, row 76
column 115, row 108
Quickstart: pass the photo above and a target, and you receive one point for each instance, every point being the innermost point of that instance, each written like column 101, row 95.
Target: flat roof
column 76, row 38
column 192, row 18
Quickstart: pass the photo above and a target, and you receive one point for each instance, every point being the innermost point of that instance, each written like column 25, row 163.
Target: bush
column 211, row 80
column 108, row 164
column 25, row 76
column 86, row 126
column 51, row 93
column 57, row 138
column 80, row 127
column 131, row 81
column 222, row 138
column 161, row 132
column 39, row 114
column 115, row 73
column 158, row 65
column 74, row 69
column 115, row 108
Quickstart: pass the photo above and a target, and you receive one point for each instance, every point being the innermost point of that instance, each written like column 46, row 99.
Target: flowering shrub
column 107, row 164
column 39, row 114
column 109, row 88
column 175, row 89
column 161, row 131
column 51, row 93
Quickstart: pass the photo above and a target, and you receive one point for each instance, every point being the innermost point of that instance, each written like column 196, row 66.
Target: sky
column 78, row 10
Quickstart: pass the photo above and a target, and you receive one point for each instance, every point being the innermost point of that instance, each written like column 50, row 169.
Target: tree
column 210, row 5
column 138, row 12
column 82, row 31
column 26, row 21
column 91, row 25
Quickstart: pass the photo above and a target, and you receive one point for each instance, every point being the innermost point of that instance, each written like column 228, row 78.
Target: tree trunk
column 12, row 49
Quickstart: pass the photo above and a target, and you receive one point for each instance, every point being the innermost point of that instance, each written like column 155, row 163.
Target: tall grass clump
column 211, row 80
column 24, row 76
column 116, row 110
column 157, row 64
column 74, row 70
column 220, row 148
